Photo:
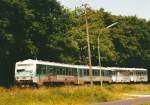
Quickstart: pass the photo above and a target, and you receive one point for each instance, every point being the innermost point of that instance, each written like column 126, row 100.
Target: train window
column 95, row 72
column 142, row 73
column 105, row 73
column 136, row 73
column 85, row 72
column 102, row 73
column 98, row 72
column 41, row 69
column 58, row 70
column 78, row 72
column 69, row 72
column 139, row 73
column 81, row 72
column 54, row 71
column 108, row 74
column 38, row 69
column 63, row 71
column 49, row 69
column 74, row 72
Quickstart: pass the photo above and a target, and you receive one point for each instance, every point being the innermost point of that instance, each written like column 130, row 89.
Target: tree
column 25, row 27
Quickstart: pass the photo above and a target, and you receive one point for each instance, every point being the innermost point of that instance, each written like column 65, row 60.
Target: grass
column 68, row 95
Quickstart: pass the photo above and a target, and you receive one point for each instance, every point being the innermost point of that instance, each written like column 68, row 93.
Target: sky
column 140, row 8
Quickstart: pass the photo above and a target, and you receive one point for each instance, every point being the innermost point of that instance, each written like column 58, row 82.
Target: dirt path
column 126, row 102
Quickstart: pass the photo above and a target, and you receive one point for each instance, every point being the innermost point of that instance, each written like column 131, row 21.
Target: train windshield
column 20, row 70
column 24, row 70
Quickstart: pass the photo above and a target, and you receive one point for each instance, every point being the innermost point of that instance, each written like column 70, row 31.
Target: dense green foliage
column 38, row 29
column 126, row 44
column 26, row 27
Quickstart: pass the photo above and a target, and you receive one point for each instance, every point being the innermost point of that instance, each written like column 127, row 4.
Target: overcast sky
column 140, row 8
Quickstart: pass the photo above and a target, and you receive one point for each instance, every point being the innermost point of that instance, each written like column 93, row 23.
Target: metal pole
column 89, row 50
column 99, row 59
column 99, row 54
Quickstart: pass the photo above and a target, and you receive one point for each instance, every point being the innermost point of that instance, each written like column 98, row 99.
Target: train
column 38, row 72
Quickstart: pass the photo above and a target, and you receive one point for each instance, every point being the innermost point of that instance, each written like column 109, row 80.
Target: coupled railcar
column 42, row 72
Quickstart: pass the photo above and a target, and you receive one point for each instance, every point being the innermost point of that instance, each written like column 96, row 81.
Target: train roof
column 30, row 61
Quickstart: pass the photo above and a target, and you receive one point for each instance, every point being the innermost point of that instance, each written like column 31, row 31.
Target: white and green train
column 43, row 72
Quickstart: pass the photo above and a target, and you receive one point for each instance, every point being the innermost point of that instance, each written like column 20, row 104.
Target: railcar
column 37, row 72
column 129, row 75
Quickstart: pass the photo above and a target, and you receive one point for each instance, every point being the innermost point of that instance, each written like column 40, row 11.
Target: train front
column 25, row 73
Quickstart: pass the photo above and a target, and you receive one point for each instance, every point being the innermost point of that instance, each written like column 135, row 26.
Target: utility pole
column 88, row 43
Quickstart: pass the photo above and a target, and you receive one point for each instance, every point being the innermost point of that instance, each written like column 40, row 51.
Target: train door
column 79, row 76
column 131, row 76
column 114, row 76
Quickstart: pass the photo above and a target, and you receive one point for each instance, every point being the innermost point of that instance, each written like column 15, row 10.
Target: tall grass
column 67, row 95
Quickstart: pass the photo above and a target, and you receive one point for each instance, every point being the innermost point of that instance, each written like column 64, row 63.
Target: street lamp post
column 99, row 55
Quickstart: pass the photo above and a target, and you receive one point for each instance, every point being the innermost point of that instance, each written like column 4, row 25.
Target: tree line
column 45, row 30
